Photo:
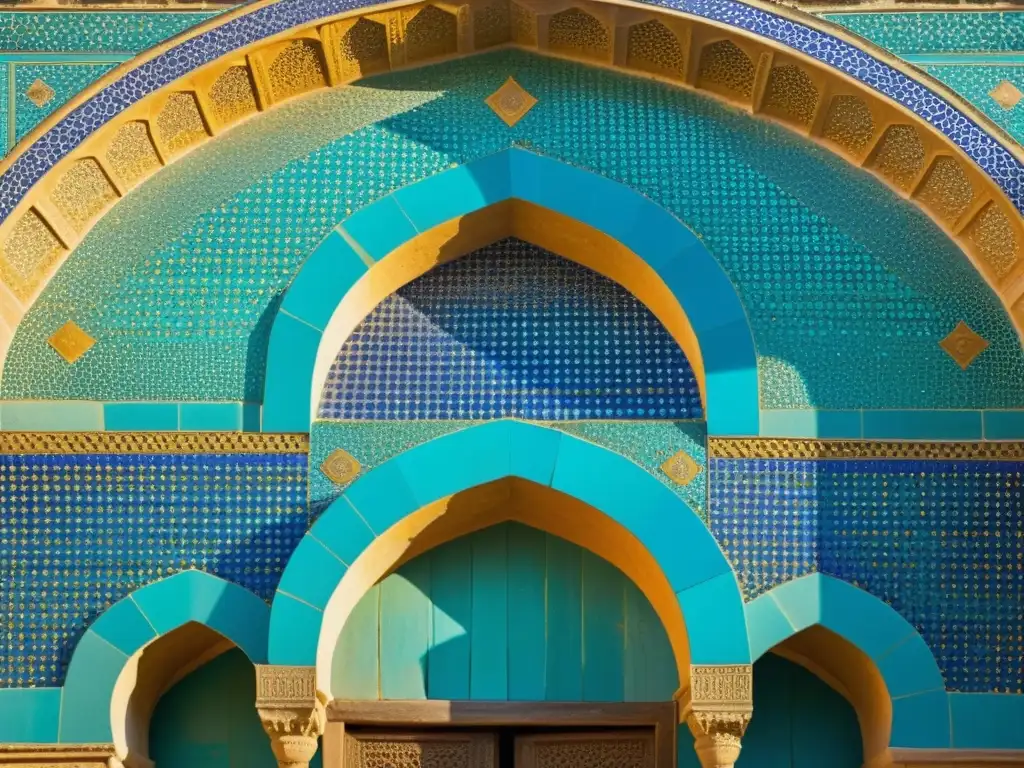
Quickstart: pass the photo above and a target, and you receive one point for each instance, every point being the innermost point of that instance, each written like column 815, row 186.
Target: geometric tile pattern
column 937, row 540
column 510, row 331
column 269, row 20
column 80, row 532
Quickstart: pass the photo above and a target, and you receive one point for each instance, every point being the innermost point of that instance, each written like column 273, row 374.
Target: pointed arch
column 652, row 535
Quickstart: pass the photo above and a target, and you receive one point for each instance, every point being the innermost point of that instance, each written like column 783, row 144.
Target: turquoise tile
column 910, row 668
column 252, row 417
column 861, row 618
column 227, row 608
column 131, row 417
column 767, row 625
column 533, row 452
column 987, row 720
column 1004, row 425
column 312, row 574
column 53, row 416
column 383, row 497
column 922, row 425
column 456, row 192
column 715, row 622
column 343, row 531
column 29, row 715
column 644, row 506
column 811, row 423
column 294, row 632
column 456, row 462
column 124, row 626
column 800, row 600
column 703, row 289
column 289, row 381
column 212, row 417
column 921, row 722
column 321, row 284
column 88, row 687
column 380, row 227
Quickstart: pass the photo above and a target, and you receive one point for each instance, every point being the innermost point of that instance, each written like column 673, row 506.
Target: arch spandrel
column 915, row 136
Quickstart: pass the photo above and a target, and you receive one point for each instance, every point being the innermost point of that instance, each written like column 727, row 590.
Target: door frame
column 426, row 714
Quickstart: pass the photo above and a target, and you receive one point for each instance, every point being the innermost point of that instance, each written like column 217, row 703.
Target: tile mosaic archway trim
column 309, row 328
column 784, row 66
column 363, row 531
column 123, row 630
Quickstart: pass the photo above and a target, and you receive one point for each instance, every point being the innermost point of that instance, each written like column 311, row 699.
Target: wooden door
column 611, row 749
column 420, row 750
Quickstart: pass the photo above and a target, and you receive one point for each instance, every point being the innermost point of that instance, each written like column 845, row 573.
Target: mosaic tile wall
column 510, row 330
column 647, row 443
column 848, row 294
column 79, row 532
column 940, row 541
column 958, row 31
column 975, row 81
column 73, row 49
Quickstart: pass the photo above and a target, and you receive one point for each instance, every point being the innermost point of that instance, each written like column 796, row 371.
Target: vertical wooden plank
column 355, row 673
column 603, row 629
column 489, row 643
column 405, row 631
column 527, row 566
column 451, row 578
column 565, row 622
column 649, row 665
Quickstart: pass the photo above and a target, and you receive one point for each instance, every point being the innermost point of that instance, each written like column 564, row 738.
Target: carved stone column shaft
column 291, row 712
column 717, row 710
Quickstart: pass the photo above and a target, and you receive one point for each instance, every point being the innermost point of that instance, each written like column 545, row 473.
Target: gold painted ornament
column 340, row 467
column 963, row 345
column 511, row 102
column 39, row 93
column 680, row 468
column 71, row 342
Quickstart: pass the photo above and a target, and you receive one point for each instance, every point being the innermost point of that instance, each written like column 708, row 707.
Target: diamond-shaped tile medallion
column 511, row 102
column 340, row 467
column 39, row 93
column 71, row 342
column 1006, row 94
column 963, row 345
column 680, row 468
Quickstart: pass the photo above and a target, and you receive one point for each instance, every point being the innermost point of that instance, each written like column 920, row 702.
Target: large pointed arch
column 375, row 523
column 393, row 241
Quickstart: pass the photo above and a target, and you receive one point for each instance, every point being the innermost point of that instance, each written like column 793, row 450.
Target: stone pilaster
column 717, row 710
column 291, row 712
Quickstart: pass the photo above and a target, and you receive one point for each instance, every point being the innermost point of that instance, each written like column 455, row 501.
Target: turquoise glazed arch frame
column 704, row 584
column 131, row 624
column 687, row 268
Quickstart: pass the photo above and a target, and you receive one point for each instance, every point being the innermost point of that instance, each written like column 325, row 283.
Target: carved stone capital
column 717, row 709
column 291, row 712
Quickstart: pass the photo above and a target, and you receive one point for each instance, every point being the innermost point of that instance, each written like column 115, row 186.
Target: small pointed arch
column 726, row 69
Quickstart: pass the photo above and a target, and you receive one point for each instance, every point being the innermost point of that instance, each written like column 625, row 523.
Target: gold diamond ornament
column 680, row 468
column 39, row 93
column 1006, row 94
column 963, row 345
column 511, row 102
column 340, row 467
column 71, row 342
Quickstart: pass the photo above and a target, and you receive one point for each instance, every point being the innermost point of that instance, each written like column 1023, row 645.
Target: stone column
column 717, row 710
column 291, row 712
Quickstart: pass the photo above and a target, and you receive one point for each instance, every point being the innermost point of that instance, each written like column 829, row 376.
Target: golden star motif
column 1006, row 94
column 340, row 467
column 39, row 93
column 511, row 102
column 680, row 468
column 963, row 345
column 71, row 342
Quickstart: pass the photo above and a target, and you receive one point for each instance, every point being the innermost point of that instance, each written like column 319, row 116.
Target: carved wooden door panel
column 613, row 749
column 421, row 750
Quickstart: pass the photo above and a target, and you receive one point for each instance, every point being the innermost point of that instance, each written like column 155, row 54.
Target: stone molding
column 291, row 711
column 54, row 755
column 717, row 709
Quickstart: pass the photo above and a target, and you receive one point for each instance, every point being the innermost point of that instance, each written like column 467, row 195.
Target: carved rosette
column 717, row 710
column 291, row 712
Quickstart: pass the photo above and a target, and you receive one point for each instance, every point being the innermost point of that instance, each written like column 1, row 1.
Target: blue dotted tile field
column 65, row 80
column 80, row 532
column 939, row 541
column 127, row 32
column 994, row 158
column 848, row 295
column 937, row 32
column 510, row 331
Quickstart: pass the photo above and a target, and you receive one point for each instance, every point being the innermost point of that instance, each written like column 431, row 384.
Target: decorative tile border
column 150, row 442
column 245, row 27
column 760, row 448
